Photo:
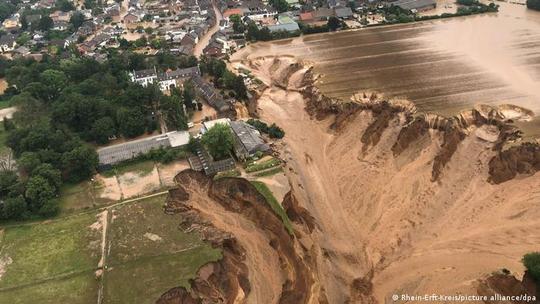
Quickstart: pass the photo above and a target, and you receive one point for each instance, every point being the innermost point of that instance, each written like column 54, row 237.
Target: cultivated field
column 141, row 249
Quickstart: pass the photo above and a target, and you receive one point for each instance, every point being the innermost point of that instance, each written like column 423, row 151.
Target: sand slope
column 381, row 218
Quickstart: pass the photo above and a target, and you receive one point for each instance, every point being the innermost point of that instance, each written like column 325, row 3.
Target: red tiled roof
column 233, row 11
column 306, row 16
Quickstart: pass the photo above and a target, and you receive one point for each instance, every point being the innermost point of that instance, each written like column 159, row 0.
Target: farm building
column 120, row 152
column 416, row 5
column 247, row 140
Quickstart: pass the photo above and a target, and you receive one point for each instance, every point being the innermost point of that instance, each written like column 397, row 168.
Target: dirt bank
column 261, row 262
column 399, row 201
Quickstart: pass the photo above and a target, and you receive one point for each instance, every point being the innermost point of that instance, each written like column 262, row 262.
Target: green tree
column 54, row 81
column 103, row 129
column 23, row 39
column 45, row 23
column 6, row 9
column 533, row 4
column 333, row 23
column 172, row 110
column 8, row 179
column 38, row 192
column 280, row 5
column 77, row 19
column 50, row 173
column 49, row 208
column 219, row 141
column 79, row 163
column 531, row 261
column 28, row 161
column 131, row 122
column 238, row 25
column 14, row 208
column 64, row 5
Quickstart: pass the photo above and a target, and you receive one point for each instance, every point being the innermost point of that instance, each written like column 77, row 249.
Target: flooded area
column 443, row 66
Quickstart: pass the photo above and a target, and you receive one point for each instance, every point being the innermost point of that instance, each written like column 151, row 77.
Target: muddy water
column 444, row 66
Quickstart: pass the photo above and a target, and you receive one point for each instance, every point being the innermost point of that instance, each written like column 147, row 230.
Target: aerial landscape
column 269, row 151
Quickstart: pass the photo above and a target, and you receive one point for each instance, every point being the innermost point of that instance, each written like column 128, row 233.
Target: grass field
column 262, row 165
column 139, row 167
column 274, row 204
column 148, row 242
column 55, row 261
column 84, row 195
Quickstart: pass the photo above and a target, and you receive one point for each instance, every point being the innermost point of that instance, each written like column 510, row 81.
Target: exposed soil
column 501, row 283
column 261, row 261
column 387, row 200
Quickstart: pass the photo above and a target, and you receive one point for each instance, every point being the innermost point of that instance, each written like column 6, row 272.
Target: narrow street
column 205, row 40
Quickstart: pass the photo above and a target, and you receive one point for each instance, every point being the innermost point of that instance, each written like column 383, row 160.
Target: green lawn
column 274, row 204
column 150, row 277
column 84, row 195
column 140, row 167
column 55, row 261
column 49, row 250
column 76, row 289
column 151, row 252
column 230, row 173
column 258, row 166
column 269, row 172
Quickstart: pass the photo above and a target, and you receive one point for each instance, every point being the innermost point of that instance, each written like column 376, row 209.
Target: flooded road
column 443, row 66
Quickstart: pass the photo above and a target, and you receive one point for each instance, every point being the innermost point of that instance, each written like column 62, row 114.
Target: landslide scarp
column 260, row 263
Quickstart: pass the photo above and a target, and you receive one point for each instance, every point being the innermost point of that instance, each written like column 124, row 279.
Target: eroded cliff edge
column 391, row 189
column 260, row 262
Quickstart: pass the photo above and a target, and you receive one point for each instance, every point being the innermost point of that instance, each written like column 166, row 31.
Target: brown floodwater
column 443, row 66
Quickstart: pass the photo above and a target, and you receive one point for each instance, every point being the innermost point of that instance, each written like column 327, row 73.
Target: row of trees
column 273, row 130
column 62, row 105
column 223, row 78
column 533, row 4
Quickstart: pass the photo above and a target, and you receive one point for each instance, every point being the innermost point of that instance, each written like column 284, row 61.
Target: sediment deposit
column 401, row 201
column 384, row 200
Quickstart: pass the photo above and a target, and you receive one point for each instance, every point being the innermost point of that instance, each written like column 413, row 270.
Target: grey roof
column 414, row 4
column 124, row 151
column 8, row 39
column 249, row 137
column 289, row 27
column 145, row 73
column 211, row 95
column 179, row 73
column 117, row 153
column 343, row 12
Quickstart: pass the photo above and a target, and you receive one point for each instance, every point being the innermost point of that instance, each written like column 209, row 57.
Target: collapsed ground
column 396, row 212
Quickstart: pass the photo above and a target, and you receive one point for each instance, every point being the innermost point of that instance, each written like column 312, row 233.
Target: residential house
column 130, row 18
column 72, row 39
column 60, row 16
column 322, row 14
column 284, row 23
column 7, row 43
column 233, row 11
column 166, row 79
column 207, row 125
column 11, row 23
column 343, row 12
column 247, row 140
column 60, row 25
column 416, row 5
column 48, row 4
